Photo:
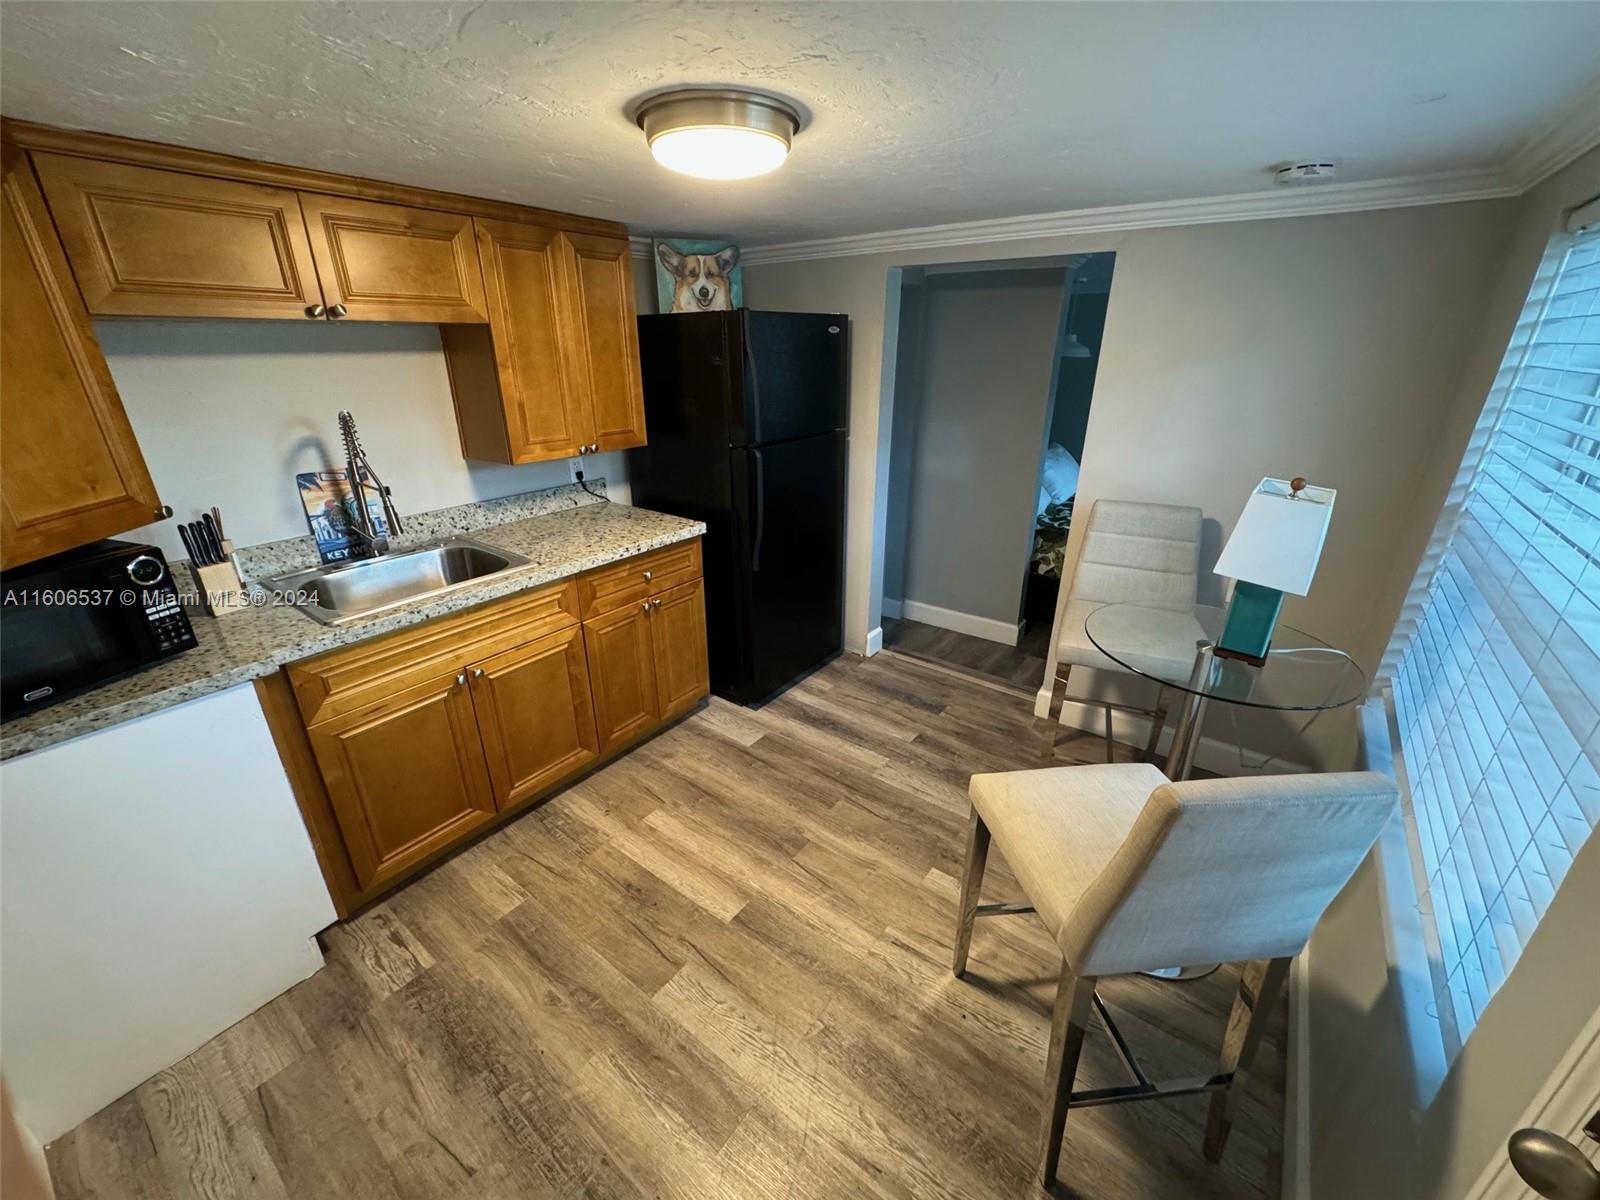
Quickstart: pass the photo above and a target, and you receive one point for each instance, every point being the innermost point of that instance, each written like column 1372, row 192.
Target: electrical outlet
column 575, row 468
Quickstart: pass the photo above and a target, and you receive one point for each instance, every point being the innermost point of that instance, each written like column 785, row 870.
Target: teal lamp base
column 1252, row 616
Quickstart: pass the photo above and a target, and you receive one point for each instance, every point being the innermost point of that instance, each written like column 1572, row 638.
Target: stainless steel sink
column 347, row 591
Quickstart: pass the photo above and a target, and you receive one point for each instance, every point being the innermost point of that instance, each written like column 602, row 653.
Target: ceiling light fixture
column 718, row 134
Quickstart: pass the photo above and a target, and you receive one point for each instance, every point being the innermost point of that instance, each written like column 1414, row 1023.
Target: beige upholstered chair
column 1133, row 553
column 1131, row 872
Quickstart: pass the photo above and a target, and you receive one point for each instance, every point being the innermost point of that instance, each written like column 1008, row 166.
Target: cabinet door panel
column 535, row 715
column 70, row 469
column 144, row 242
column 545, row 416
column 406, row 778
column 603, row 351
column 622, row 672
column 678, row 636
column 383, row 262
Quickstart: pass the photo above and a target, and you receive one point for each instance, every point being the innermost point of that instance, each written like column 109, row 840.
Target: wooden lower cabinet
column 623, row 674
column 678, row 637
column 648, row 663
column 405, row 778
column 535, row 715
column 402, row 746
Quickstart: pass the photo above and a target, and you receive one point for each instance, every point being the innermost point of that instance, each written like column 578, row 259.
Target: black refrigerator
column 746, row 415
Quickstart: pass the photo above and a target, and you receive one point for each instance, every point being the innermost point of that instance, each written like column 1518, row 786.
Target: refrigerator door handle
column 761, row 512
column 755, row 375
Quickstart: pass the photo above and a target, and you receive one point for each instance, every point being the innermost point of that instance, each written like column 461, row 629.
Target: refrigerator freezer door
column 794, row 369
column 789, row 561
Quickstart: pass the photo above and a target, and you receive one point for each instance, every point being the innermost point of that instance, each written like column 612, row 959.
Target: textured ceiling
column 919, row 113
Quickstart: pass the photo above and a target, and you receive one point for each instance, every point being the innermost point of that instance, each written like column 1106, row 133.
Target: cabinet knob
column 461, row 679
column 338, row 310
column 316, row 310
column 477, row 672
column 655, row 604
column 645, row 606
column 648, row 576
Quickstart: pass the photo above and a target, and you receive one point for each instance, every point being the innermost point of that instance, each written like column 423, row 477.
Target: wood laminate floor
column 719, row 968
column 1019, row 667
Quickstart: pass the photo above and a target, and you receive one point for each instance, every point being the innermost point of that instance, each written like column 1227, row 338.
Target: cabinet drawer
column 353, row 677
column 633, row 580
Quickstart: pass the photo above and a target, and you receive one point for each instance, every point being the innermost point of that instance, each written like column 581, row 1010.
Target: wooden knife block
column 222, row 592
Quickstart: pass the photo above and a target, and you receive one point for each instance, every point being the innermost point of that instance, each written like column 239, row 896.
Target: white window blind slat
column 1494, row 669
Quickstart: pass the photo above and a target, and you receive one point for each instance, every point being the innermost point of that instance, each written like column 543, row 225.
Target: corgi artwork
column 700, row 282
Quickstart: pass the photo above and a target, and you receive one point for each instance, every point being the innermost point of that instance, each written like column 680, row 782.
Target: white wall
column 987, row 352
column 158, row 886
column 1328, row 346
column 1376, row 1124
column 227, row 412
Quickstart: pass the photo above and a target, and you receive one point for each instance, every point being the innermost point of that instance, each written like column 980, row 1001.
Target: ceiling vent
column 1302, row 174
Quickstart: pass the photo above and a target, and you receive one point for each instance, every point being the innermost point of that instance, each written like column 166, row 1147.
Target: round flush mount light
column 718, row 134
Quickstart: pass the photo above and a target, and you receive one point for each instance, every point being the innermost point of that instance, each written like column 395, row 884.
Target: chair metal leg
column 1260, row 984
column 1111, row 746
column 971, row 886
column 1068, row 1024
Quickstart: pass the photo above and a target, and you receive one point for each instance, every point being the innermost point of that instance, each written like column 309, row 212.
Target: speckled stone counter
column 239, row 648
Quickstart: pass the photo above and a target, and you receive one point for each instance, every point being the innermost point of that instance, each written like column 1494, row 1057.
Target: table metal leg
column 1180, row 764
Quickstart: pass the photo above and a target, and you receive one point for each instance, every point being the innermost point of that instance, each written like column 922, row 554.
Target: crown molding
column 640, row 247
column 1575, row 132
column 1444, row 188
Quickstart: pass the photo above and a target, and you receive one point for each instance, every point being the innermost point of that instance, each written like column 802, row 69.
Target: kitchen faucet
column 357, row 468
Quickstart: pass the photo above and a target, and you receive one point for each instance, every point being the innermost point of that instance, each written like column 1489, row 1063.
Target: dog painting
column 698, row 276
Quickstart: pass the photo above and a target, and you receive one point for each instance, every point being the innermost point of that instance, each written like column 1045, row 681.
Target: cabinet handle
column 315, row 310
column 477, row 672
column 648, row 576
column 655, row 604
column 645, row 606
column 461, row 679
column 337, row 311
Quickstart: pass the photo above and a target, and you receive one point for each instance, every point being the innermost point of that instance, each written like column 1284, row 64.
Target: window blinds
column 1494, row 671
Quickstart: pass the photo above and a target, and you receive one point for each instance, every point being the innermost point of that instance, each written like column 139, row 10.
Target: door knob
column 1553, row 1166
column 316, row 310
column 338, row 310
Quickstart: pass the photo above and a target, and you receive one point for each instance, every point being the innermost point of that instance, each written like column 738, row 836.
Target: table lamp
column 1273, row 549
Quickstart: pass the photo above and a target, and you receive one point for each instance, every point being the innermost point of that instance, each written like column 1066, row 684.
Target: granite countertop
column 236, row 649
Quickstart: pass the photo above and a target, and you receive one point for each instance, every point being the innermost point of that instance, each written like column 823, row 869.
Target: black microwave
column 76, row 620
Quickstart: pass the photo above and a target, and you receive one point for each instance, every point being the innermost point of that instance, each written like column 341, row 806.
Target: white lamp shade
column 1278, row 539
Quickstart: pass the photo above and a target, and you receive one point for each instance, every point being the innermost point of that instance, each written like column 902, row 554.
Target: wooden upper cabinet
column 603, row 351
column 70, row 469
column 513, row 401
column 405, row 778
column 535, row 714
column 153, row 243
column 678, row 637
column 383, row 262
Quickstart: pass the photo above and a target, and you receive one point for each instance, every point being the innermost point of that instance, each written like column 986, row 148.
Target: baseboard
column 1006, row 633
column 874, row 640
column 891, row 609
column 1296, row 1183
column 1131, row 729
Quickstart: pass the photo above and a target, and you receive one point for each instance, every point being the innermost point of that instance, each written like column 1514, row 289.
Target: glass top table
column 1174, row 647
